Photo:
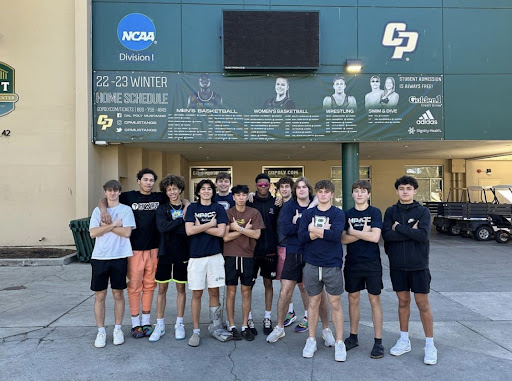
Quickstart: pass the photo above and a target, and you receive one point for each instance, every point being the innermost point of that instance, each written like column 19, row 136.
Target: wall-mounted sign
column 156, row 106
column 7, row 95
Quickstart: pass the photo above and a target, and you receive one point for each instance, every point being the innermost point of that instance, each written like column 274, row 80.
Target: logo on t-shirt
column 145, row 205
column 224, row 204
column 206, row 217
column 175, row 214
column 319, row 221
column 359, row 221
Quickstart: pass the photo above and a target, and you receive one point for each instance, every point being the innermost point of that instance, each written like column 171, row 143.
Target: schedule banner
column 155, row 107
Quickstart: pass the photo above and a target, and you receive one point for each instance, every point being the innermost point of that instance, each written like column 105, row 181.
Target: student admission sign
column 200, row 107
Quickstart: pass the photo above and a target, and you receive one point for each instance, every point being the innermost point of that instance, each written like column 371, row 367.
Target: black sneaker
column 236, row 334
column 267, row 326
column 247, row 334
column 350, row 343
column 377, row 351
column 252, row 327
column 137, row 332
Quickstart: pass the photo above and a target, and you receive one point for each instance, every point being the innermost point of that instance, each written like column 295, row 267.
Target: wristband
column 241, row 229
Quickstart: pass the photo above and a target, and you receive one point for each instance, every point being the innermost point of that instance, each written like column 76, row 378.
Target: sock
column 306, row 314
column 244, row 327
column 179, row 320
column 267, row 314
column 146, row 319
column 102, row 330
column 290, row 307
column 353, row 335
column 160, row 322
column 135, row 321
column 404, row 336
column 117, row 326
column 250, row 315
column 231, row 327
column 377, row 341
column 198, row 331
column 429, row 342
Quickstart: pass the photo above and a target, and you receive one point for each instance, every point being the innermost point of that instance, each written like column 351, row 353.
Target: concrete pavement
column 47, row 329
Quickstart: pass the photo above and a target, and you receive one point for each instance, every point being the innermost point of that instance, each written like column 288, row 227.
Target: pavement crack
column 485, row 337
column 68, row 311
column 233, row 362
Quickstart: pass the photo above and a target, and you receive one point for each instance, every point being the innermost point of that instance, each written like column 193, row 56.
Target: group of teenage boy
column 229, row 235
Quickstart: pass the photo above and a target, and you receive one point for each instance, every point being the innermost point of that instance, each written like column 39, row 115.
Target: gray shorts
column 315, row 278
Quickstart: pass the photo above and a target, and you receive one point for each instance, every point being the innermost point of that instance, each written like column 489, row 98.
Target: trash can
column 83, row 241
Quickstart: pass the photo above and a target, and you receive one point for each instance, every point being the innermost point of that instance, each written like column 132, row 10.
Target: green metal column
column 349, row 171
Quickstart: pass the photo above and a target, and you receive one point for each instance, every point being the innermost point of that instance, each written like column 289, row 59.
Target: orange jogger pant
column 141, row 279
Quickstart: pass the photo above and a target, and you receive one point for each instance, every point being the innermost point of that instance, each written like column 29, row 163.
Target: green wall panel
column 478, row 3
column 426, row 22
column 401, row 3
column 477, row 107
column 110, row 54
column 486, row 48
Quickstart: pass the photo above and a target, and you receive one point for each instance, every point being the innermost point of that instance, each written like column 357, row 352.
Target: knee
column 100, row 296
column 118, row 295
column 353, row 297
column 180, row 288
column 213, row 292
column 197, row 294
column 423, row 306
column 162, row 289
column 404, row 303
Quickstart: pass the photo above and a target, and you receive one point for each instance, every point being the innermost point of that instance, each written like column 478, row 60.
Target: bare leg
column 230, row 304
column 314, row 305
column 304, row 296
column 337, row 314
column 196, row 307
column 425, row 313
column 181, row 299
column 99, row 307
column 285, row 296
column 353, row 310
column 118, row 306
column 214, row 296
column 161, row 300
column 269, row 293
column 246, row 303
column 324, row 311
column 376, row 315
column 404, row 309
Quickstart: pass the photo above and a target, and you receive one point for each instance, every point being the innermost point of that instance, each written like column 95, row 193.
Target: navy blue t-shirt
column 204, row 244
column 288, row 229
column 226, row 201
column 361, row 250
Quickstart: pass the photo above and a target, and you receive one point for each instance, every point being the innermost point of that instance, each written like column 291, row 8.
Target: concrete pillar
column 349, row 171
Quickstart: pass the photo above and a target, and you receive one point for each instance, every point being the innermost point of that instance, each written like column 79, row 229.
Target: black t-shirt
column 360, row 250
column 204, row 244
column 144, row 207
column 226, row 201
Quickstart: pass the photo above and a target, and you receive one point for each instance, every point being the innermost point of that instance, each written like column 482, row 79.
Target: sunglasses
column 263, row 185
column 375, row 80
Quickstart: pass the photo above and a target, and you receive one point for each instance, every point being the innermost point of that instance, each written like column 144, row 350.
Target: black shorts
column 113, row 269
column 266, row 265
column 238, row 267
column 293, row 267
column 415, row 281
column 364, row 275
column 167, row 271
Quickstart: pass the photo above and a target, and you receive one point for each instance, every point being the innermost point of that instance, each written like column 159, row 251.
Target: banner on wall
column 155, row 107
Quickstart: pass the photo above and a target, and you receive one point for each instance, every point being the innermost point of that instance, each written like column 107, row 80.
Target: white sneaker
column 340, row 352
column 310, row 348
column 430, row 355
column 276, row 334
column 328, row 337
column 179, row 331
column 194, row 340
column 158, row 332
column 101, row 340
column 401, row 347
column 118, row 337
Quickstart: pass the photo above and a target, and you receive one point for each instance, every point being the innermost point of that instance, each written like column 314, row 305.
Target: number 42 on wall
column 6, row 133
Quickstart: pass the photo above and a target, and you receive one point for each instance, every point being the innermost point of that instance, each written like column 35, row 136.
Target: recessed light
column 200, row 147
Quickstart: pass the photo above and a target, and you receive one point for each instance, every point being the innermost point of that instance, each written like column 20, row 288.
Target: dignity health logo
column 136, row 32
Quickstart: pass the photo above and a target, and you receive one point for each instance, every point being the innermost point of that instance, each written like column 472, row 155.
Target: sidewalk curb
column 21, row 262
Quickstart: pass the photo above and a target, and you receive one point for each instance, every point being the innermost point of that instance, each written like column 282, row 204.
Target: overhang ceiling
column 194, row 152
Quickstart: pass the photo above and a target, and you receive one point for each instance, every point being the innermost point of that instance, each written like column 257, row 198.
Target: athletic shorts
column 281, row 256
column 293, row 267
column 167, row 271
column 207, row 270
column 239, row 267
column 415, row 281
column 113, row 269
column 361, row 276
column 316, row 278
column 266, row 265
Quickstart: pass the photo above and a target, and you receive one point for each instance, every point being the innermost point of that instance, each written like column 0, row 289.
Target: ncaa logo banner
column 136, row 32
column 7, row 95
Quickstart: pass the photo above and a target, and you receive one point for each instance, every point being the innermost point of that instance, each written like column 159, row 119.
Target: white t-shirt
column 111, row 245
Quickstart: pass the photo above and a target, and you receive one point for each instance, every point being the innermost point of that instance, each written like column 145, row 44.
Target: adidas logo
column 426, row 118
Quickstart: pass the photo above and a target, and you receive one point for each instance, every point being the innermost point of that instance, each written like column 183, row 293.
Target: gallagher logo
column 136, row 31
column 7, row 95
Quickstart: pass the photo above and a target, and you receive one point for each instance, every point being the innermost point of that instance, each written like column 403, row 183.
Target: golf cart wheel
column 483, row 233
column 439, row 229
column 502, row 236
column 454, row 229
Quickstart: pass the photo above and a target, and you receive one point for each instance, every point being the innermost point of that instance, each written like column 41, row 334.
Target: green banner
column 150, row 106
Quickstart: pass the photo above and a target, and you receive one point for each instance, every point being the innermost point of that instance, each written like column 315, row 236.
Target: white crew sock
column 102, row 330
column 117, row 326
column 290, row 307
column 135, row 321
column 179, row 320
column 267, row 314
column 429, row 342
column 146, row 319
column 404, row 336
column 160, row 322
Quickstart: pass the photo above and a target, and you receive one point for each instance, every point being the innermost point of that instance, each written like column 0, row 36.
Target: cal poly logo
column 136, row 31
column 7, row 95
